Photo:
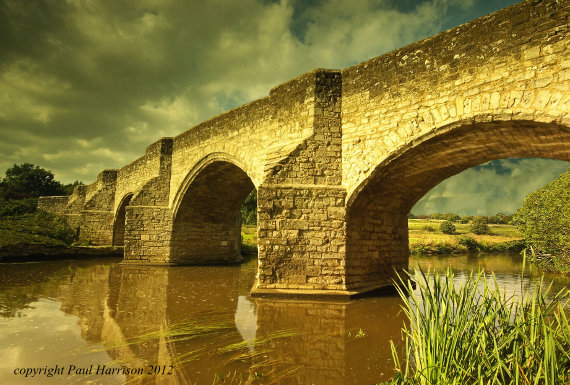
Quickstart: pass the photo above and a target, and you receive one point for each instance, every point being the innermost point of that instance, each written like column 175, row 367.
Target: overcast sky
column 88, row 84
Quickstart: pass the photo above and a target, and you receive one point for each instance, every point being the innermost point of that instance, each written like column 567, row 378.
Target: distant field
column 425, row 238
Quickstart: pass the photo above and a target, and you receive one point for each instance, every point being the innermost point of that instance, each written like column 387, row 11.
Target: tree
column 29, row 181
column 479, row 226
column 500, row 218
column 249, row 209
column 68, row 188
column 447, row 227
column 544, row 218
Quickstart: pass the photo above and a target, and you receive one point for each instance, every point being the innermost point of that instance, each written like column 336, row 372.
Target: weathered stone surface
column 340, row 157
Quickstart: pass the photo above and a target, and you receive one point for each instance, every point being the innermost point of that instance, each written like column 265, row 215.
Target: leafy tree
column 249, row 209
column 479, row 226
column 500, row 218
column 29, row 181
column 544, row 218
column 447, row 227
column 18, row 207
column 68, row 188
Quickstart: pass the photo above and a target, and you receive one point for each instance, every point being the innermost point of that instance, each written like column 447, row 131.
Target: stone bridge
column 339, row 157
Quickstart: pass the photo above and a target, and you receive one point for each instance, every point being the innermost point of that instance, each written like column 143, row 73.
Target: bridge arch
column 119, row 221
column 376, row 216
column 206, row 225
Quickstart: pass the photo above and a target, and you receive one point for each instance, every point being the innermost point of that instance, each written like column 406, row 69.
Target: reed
column 475, row 334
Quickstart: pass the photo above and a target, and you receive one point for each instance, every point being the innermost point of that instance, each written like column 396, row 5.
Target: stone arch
column 206, row 225
column 377, row 227
column 119, row 221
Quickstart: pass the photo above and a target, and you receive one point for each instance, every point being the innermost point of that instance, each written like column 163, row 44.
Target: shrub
column 469, row 242
column 479, row 226
column 466, row 219
column 18, row 207
column 249, row 209
column 544, row 218
column 428, row 228
column 447, row 227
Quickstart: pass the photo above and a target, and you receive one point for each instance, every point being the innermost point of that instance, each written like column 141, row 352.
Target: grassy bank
column 426, row 238
column 39, row 228
column 249, row 241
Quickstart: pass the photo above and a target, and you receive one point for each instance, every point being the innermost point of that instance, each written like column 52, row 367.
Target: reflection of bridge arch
column 377, row 226
column 206, row 224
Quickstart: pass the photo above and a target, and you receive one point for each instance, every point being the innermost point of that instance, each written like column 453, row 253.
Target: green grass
column 40, row 228
column 426, row 238
column 474, row 334
column 248, row 241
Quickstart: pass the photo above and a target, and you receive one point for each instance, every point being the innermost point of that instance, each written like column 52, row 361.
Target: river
column 78, row 322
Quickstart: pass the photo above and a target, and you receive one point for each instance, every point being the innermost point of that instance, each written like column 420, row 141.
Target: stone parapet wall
column 55, row 204
column 135, row 175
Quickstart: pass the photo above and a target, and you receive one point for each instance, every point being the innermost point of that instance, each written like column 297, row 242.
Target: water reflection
column 201, row 322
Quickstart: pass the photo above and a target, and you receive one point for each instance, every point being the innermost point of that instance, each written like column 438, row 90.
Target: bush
column 447, row 227
column 466, row 219
column 428, row 228
column 469, row 242
column 18, row 207
column 249, row 209
column 479, row 226
column 38, row 228
column 544, row 218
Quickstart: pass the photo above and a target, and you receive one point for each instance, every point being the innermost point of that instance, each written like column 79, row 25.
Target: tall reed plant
column 475, row 334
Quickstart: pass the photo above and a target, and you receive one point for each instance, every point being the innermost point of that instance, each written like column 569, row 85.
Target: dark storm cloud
column 88, row 84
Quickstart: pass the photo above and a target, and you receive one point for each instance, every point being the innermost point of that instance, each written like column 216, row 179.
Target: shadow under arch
column 119, row 222
column 377, row 226
column 206, row 226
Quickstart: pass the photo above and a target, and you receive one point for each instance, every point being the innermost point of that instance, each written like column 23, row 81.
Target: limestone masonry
column 339, row 157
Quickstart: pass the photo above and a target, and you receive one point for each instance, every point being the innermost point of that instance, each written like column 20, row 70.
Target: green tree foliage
column 29, row 181
column 544, row 218
column 446, row 217
column 68, row 188
column 40, row 227
column 249, row 209
column 447, row 227
column 479, row 226
column 18, row 207
column 500, row 218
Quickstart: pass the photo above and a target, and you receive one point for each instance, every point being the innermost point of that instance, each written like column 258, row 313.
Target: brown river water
column 91, row 321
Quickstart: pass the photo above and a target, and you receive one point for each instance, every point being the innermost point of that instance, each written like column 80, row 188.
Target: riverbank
column 31, row 252
column 43, row 236
column 425, row 237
